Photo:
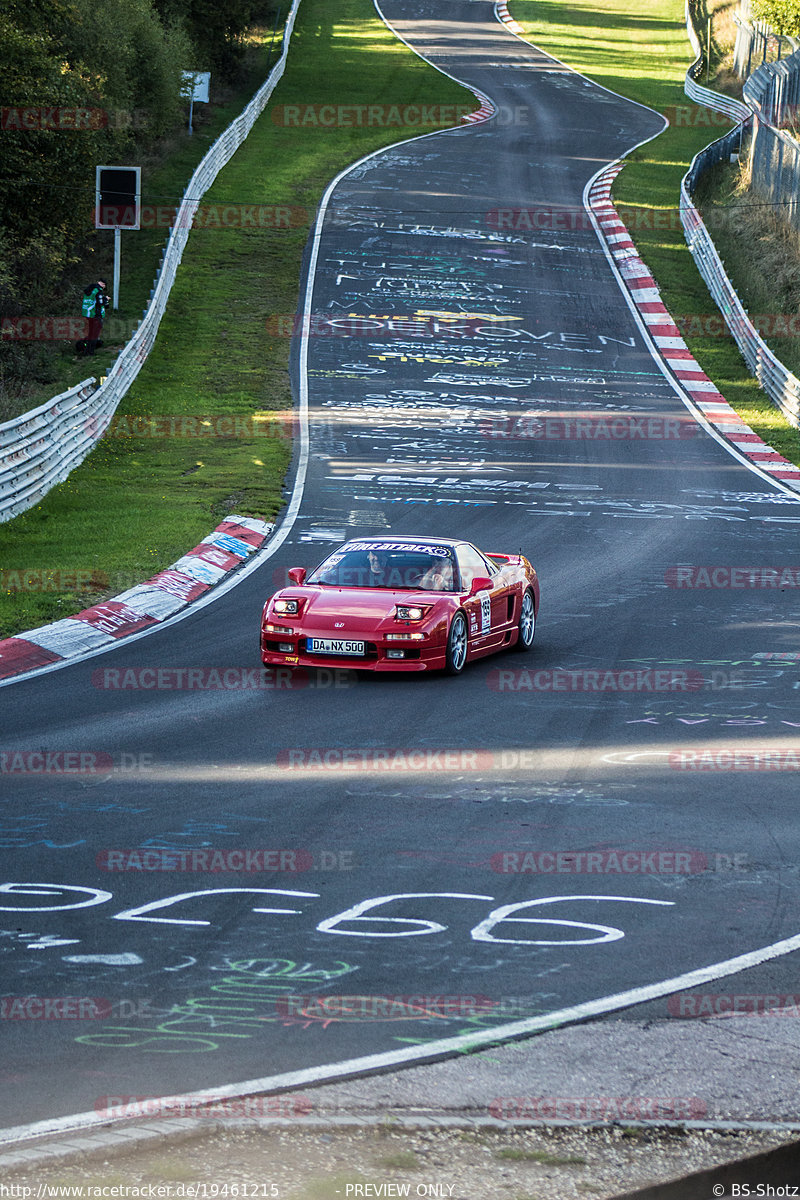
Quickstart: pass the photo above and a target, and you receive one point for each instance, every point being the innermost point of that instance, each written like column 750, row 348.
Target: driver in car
column 377, row 569
column 438, row 577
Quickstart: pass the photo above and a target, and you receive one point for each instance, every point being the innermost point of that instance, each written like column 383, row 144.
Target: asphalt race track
column 424, row 899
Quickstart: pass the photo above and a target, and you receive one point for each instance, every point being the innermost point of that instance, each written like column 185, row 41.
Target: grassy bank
column 761, row 252
column 138, row 503
column 644, row 55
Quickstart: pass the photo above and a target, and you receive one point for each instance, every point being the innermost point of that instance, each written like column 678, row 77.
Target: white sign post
column 195, row 86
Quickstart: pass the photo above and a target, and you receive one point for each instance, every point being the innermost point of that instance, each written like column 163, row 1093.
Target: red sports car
column 401, row 604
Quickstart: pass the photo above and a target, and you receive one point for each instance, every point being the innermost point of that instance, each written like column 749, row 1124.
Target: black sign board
column 118, row 197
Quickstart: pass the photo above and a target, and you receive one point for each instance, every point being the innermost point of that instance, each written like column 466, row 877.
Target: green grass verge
column 137, row 504
column 517, row 1154
column 644, row 54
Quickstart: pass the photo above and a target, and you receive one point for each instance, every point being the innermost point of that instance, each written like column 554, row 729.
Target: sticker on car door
column 486, row 614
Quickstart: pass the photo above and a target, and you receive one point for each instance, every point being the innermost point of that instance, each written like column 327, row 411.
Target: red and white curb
column 670, row 344
column 486, row 110
column 501, row 9
column 149, row 603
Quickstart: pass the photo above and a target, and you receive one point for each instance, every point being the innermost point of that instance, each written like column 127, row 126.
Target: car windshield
column 392, row 565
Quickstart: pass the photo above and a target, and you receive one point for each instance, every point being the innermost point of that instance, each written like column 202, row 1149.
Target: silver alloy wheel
column 457, row 645
column 527, row 622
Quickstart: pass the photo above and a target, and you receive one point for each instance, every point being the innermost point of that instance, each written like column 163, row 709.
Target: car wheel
column 456, row 645
column 527, row 621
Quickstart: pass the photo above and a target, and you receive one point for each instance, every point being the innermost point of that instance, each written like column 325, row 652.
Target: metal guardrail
column 782, row 387
column 37, row 450
column 773, row 91
column 40, row 448
column 778, row 382
column 728, row 105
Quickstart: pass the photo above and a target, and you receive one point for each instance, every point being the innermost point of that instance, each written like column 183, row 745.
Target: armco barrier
column 40, row 448
column 702, row 95
column 773, row 91
column 782, row 387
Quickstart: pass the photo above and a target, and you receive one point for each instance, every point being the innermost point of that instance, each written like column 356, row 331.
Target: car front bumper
column 427, row 655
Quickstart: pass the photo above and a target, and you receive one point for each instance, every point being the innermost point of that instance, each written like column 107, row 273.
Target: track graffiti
column 238, row 1005
column 35, row 898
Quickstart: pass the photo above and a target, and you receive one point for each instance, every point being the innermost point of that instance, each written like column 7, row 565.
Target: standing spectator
column 94, row 304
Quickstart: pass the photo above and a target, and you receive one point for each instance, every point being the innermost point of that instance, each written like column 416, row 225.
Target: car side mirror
column 479, row 584
column 297, row 575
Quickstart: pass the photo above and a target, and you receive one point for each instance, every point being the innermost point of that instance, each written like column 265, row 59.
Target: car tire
column 526, row 629
column 456, row 655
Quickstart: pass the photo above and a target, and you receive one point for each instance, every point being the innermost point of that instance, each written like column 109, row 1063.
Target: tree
column 82, row 84
column 782, row 16
column 216, row 30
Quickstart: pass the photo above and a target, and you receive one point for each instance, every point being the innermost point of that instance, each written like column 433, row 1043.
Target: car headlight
column 270, row 628
column 409, row 612
column 288, row 608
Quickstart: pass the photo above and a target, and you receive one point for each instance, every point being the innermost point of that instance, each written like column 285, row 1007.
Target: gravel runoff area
column 381, row 1159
